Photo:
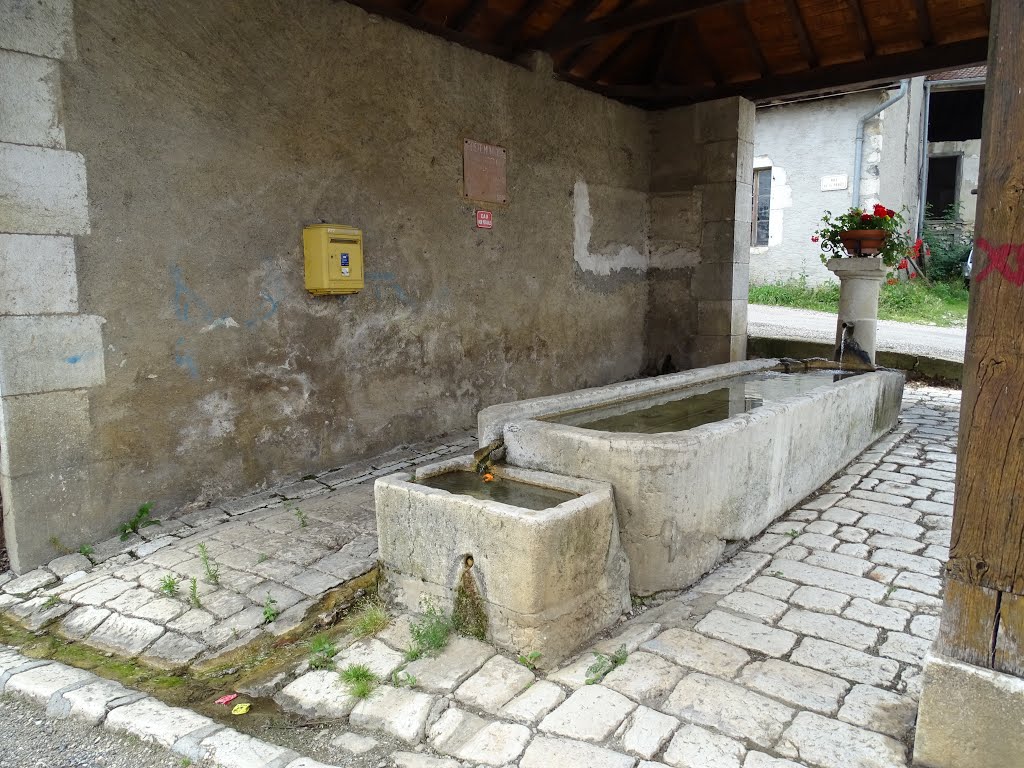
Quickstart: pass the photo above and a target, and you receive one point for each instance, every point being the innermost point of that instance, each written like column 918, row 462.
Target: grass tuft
column 430, row 633
column 371, row 617
column 322, row 651
column 359, row 680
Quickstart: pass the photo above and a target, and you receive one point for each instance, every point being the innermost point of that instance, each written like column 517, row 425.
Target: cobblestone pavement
column 283, row 549
column 805, row 649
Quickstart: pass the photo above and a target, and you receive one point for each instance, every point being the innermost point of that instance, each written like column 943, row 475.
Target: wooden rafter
column 653, row 14
column 415, row 5
column 753, row 45
column 417, row 22
column 468, row 14
column 862, row 28
column 515, row 28
column 880, row 69
column 614, row 56
column 574, row 15
column 693, row 36
column 668, row 45
column 924, row 23
column 800, row 28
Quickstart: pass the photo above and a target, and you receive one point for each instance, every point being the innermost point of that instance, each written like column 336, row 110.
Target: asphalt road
column 808, row 325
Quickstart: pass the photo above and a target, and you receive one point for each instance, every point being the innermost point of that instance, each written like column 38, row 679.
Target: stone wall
column 51, row 347
column 211, row 134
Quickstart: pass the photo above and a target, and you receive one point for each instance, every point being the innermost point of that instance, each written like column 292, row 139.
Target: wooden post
column 983, row 613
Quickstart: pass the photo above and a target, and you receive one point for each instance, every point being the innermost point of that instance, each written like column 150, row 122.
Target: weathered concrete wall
column 210, row 134
column 804, row 141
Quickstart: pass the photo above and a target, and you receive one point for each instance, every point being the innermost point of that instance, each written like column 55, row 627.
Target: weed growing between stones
column 300, row 516
column 211, row 569
column 359, row 680
column 169, row 585
column 603, row 665
column 402, row 679
column 468, row 615
column 529, row 660
column 262, row 558
column 371, row 617
column 58, row 546
column 51, row 602
column 193, row 592
column 270, row 611
column 321, row 652
column 430, row 633
column 141, row 520
column 86, row 550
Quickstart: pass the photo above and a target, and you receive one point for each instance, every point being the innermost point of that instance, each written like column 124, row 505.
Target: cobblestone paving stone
column 804, row 650
column 293, row 543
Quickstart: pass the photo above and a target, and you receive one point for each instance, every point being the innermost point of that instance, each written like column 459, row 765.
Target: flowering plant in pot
column 881, row 232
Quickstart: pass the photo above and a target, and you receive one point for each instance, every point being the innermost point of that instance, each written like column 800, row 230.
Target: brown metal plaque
column 483, row 172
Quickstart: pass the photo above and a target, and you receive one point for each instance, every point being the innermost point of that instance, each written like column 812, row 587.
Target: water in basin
column 511, row 492
column 691, row 407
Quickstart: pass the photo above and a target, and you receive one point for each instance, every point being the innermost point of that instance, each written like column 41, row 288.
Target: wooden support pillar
column 983, row 615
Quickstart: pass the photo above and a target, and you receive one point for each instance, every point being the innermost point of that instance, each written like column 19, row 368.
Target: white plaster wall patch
column 614, row 259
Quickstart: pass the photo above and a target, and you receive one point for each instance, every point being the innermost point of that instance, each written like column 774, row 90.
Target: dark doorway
column 943, row 184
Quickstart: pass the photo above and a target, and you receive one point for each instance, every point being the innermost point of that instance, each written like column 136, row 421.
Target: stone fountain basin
column 682, row 496
column 549, row 579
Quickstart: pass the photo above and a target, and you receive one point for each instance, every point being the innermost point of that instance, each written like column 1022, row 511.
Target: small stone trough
column 682, row 496
column 546, row 579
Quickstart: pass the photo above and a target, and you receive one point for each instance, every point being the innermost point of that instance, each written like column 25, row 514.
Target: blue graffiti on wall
column 192, row 309
column 379, row 281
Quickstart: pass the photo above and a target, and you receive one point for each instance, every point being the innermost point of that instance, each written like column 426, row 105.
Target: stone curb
column 180, row 730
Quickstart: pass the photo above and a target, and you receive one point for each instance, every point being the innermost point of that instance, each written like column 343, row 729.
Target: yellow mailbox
column 334, row 259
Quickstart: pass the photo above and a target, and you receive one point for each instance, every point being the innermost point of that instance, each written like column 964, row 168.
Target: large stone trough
column 682, row 496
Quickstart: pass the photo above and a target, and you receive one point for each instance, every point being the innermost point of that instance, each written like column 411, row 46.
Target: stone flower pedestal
column 860, row 280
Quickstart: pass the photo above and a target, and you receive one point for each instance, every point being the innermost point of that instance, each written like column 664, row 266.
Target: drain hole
column 468, row 561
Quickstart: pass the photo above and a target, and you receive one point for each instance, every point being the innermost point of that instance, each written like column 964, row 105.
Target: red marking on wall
column 999, row 258
column 484, row 219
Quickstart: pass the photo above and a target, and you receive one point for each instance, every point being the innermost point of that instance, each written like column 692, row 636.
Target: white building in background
column 805, row 162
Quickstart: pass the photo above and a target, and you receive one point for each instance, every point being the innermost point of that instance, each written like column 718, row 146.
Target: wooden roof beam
column 515, row 28
column 804, row 39
column 862, row 28
column 667, row 46
column 653, row 14
column 879, row 69
column 743, row 22
column 693, row 36
column 468, row 14
column 924, row 23
column 605, row 66
column 410, row 19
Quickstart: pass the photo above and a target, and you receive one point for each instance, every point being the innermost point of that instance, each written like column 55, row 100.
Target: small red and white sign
column 484, row 219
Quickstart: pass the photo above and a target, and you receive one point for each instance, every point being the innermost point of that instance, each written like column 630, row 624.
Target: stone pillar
column 701, row 191
column 860, row 282
column 50, row 353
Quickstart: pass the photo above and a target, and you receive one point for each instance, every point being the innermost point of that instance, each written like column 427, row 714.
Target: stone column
column 701, row 187
column 860, row 282
column 50, row 353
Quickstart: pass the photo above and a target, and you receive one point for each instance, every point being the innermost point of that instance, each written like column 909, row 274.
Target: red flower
column 880, row 210
column 892, row 281
column 814, row 238
column 865, row 217
column 903, row 264
column 890, row 212
column 913, row 275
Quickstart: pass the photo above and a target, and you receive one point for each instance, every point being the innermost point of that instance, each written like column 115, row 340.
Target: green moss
column 468, row 614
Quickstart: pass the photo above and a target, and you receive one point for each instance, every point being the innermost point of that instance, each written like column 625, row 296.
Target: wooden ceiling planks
column 658, row 53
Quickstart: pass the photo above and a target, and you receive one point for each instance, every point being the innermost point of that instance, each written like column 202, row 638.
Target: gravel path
column 29, row 739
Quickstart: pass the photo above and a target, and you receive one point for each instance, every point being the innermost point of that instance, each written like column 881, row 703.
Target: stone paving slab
column 792, row 655
column 294, row 543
